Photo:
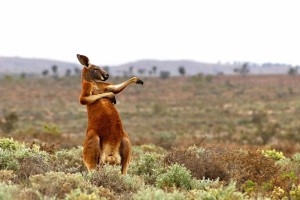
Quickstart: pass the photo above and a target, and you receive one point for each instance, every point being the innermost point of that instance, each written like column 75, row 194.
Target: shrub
column 244, row 166
column 32, row 165
column 296, row 157
column 24, row 160
column 110, row 177
column 198, row 151
column 68, row 160
column 9, row 122
column 164, row 74
column 273, row 154
column 158, row 194
column 165, row 139
column 8, row 191
column 30, row 194
column 9, row 144
column 150, row 148
column 7, row 161
column 149, row 166
column 52, row 129
column 58, row 184
column 295, row 193
column 249, row 186
column 176, row 175
column 204, row 184
column 7, row 176
column 286, row 180
column 265, row 129
column 278, row 193
column 77, row 194
column 240, row 166
column 200, row 163
column 227, row 193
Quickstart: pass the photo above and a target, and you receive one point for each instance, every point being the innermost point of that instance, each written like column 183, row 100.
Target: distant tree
column 293, row 71
column 220, row 73
column 243, row 70
column 23, row 75
column 154, row 69
column 130, row 70
column 141, row 71
column 68, row 72
column 181, row 70
column 164, row 74
column 54, row 70
column 45, row 72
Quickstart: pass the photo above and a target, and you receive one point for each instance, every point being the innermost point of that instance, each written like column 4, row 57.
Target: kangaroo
column 105, row 141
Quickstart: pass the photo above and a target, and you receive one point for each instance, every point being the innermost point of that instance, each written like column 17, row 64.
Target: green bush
column 151, row 148
column 27, row 161
column 226, row 193
column 30, row 194
column 296, row 157
column 9, row 123
column 273, row 154
column 8, row 191
column 110, row 177
column 198, row 151
column 165, row 139
column 58, row 184
column 52, row 129
column 295, row 193
column 158, row 194
column 7, row 160
column 278, row 193
column 32, row 165
column 204, row 184
column 10, row 144
column 7, row 176
column 68, row 160
column 77, row 194
column 149, row 166
column 201, row 162
column 176, row 175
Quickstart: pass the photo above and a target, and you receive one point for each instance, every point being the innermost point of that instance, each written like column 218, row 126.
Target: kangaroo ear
column 83, row 60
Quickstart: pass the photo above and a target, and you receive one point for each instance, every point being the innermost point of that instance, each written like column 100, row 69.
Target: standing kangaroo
column 105, row 141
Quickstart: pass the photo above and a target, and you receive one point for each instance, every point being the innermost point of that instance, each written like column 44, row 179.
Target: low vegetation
column 26, row 171
column 199, row 137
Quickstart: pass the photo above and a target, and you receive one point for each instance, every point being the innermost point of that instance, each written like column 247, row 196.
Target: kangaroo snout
column 105, row 76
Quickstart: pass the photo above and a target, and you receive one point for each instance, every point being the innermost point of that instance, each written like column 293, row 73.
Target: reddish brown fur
column 106, row 141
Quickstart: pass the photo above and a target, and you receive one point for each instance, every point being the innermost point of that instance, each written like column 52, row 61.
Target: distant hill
column 17, row 65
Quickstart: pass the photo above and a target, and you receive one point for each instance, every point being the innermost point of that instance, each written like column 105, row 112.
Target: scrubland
column 200, row 137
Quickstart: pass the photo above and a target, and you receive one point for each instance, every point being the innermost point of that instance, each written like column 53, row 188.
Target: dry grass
column 175, row 111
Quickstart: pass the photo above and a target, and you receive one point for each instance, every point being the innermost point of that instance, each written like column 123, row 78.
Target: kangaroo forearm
column 118, row 88
column 92, row 98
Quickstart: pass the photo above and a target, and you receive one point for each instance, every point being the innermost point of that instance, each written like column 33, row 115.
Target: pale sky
column 114, row 32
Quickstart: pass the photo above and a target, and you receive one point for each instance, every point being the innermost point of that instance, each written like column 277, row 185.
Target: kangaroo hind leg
column 91, row 150
column 125, row 152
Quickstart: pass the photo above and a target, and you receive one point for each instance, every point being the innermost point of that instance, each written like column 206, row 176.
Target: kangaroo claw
column 139, row 81
column 113, row 100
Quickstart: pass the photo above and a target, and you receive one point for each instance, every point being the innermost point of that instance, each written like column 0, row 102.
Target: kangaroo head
column 92, row 72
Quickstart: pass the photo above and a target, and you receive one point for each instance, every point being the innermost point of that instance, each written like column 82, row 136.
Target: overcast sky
column 114, row 32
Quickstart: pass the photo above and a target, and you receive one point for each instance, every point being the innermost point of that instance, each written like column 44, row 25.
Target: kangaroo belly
column 104, row 118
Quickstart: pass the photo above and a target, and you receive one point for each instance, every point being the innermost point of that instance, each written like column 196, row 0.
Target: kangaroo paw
column 139, row 81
